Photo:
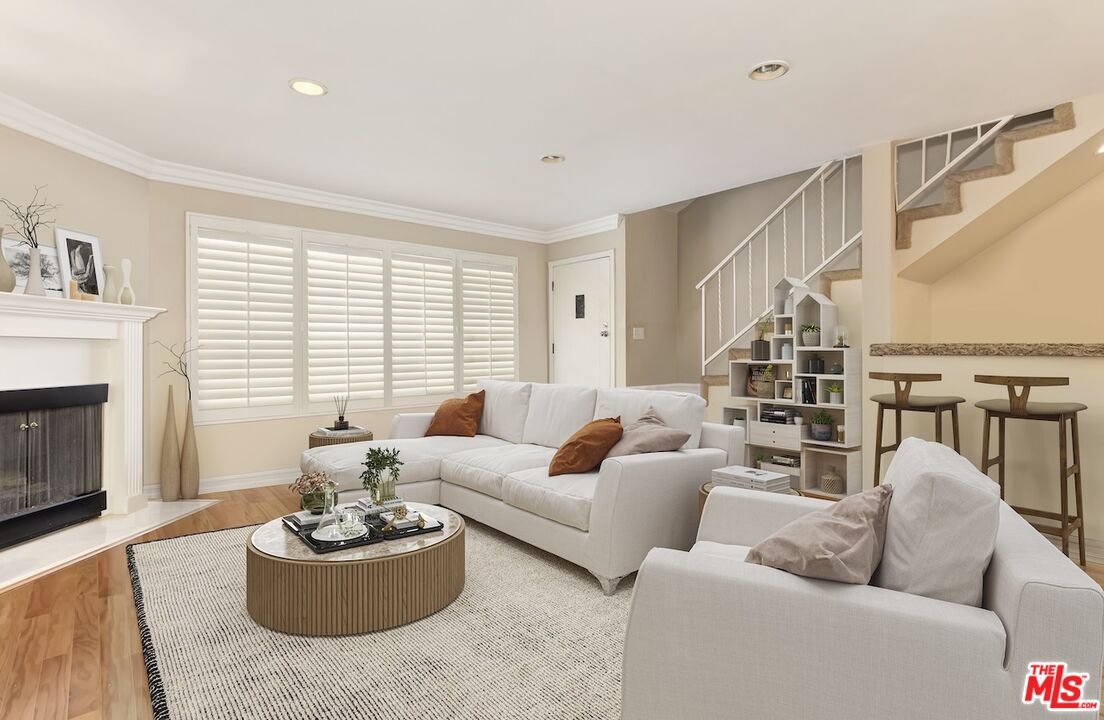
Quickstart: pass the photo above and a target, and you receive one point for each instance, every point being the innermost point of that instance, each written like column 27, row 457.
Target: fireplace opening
column 51, row 459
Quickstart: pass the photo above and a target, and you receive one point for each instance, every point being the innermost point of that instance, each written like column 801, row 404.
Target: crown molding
column 27, row 119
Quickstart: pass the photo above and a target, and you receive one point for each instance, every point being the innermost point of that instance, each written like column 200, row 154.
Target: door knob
column 23, row 426
column 33, row 425
column 604, row 333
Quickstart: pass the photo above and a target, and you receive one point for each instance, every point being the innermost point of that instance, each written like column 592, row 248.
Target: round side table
column 317, row 440
column 703, row 493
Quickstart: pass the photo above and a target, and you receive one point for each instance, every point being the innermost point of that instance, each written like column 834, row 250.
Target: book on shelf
column 330, row 432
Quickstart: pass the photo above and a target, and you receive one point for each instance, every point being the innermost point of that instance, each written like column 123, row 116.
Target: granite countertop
column 990, row 349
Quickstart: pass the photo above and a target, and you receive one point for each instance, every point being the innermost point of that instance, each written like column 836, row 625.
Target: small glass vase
column 315, row 502
column 383, row 490
column 329, row 527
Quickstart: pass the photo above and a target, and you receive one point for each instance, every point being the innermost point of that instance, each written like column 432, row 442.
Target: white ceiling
column 447, row 106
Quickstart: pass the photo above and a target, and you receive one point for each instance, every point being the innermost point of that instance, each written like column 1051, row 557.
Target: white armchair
column 712, row 636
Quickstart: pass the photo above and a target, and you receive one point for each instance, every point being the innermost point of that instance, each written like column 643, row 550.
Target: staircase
column 808, row 232
column 945, row 161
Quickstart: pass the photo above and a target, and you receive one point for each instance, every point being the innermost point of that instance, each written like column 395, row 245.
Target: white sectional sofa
column 605, row 521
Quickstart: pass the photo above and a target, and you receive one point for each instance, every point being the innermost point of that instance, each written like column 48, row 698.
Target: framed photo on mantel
column 82, row 272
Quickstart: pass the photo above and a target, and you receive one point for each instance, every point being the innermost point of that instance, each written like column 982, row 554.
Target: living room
column 509, row 366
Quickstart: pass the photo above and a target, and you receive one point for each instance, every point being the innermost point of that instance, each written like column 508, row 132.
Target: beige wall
column 599, row 242
column 707, row 231
column 145, row 221
column 651, row 264
column 1040, row 283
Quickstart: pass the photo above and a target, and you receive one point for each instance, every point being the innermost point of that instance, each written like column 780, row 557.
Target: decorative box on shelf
column 330, row 436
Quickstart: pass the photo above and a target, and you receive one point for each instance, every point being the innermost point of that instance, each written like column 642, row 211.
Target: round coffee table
column 290, row 588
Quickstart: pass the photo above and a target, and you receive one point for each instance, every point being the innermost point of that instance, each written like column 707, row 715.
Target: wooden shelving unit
column 790, row 365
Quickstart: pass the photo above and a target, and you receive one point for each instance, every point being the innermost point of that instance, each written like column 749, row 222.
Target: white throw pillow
column 504, row 409
column 942, row 524
column 556, row 412
column 678, row 410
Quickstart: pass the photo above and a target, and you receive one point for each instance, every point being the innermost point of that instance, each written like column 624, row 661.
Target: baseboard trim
column 223, row 483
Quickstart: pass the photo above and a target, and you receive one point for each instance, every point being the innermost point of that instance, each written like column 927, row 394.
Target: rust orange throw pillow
column 459, row 416
column 587, row 448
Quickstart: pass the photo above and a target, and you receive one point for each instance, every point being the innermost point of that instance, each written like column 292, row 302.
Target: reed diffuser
column 341, row 402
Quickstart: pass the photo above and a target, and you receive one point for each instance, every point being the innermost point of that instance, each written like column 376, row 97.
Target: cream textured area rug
column 530, row 637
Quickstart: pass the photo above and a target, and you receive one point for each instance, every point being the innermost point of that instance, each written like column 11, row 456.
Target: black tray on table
column 374, row 535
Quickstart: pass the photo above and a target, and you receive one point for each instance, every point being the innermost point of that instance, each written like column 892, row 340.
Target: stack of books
column 369, row 508
column 751, row 479
column 330, row 432
column 302, row 521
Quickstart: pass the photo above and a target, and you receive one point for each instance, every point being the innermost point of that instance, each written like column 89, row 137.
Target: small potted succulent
column 760, row 347
column 820, row 426
column 377, row 462
column 835, row 394
column 312, row 491
column 810, row 335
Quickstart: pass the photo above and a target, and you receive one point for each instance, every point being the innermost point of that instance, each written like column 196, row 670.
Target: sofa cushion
column 647, row 435
column 942, row 524
column 556, row 412
column 565, row 499
column 716, row 549
column 505, row 407
column 458, row 416
column 484, row 469
column 421, row 457
column 587, row 448
column 678, row 410
column 841, row 542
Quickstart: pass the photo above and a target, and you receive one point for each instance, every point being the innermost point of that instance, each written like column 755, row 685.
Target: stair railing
column 932, row 172
column 743, row 269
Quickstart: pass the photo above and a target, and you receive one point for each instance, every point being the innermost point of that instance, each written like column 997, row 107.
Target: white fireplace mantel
column 51, row 342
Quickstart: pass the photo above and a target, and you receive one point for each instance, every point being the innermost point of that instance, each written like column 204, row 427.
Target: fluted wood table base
column 304, row 597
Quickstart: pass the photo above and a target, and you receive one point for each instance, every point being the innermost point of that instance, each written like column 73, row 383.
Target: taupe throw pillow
column 842, row 542
column 647, row 435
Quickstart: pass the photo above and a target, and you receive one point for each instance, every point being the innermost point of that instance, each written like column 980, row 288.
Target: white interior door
column 582, row 321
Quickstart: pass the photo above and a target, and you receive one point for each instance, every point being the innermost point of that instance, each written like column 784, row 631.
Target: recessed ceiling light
column 769, row 70
column 303, row 86
column 1100, row 150
column 553, row 159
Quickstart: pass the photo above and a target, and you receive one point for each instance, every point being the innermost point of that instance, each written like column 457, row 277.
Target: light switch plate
column 638, row 333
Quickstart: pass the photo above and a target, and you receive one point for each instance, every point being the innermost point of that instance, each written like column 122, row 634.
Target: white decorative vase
column 835, row 398
column 126, row 293
column 34, row 274
column 111, row 284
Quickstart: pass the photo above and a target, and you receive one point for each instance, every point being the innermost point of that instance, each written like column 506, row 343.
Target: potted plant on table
column 835, row 394
column 760, row 348
column 379, row 462
column 810, row 335
column 312, row 491
column 821, row 426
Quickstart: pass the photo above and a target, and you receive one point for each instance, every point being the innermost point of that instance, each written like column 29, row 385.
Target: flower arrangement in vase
column 312, row 491
column 377, row 463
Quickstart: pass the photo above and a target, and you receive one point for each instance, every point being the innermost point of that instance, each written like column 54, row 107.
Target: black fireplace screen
column 51, row 447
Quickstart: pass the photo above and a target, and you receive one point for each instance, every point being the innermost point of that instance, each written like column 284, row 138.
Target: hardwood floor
column 69, row 639
column 69, row 644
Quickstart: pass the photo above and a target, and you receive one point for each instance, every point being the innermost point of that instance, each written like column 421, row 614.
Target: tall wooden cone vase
column 170, row 455
column 189, row 460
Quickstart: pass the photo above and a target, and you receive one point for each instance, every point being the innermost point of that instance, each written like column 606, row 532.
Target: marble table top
column 275, row 539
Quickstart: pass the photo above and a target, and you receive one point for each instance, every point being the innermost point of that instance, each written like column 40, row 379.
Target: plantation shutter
column 244, row 316
column 345, row 348
column 488, row 297
column 422, row 330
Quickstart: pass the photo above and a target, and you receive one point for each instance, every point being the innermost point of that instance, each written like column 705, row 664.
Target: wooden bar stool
column 902, row 401
column 1063, row 413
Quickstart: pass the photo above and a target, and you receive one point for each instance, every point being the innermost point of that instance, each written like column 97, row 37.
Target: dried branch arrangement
column 180, row 364
column 29, row 219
